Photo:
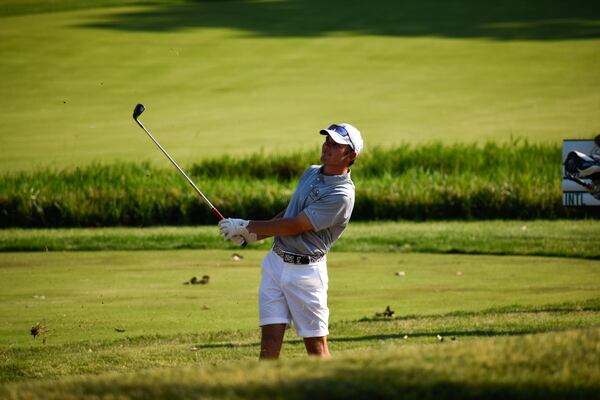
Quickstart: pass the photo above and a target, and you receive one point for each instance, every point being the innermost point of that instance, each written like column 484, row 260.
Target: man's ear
column 351, row 155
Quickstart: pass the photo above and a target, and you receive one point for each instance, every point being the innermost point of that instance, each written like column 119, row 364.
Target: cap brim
column 336, row 137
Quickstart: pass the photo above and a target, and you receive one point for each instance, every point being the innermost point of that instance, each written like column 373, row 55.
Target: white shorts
column 291, row 292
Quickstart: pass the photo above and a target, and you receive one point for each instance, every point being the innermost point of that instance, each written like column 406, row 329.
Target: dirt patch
column 195, row 281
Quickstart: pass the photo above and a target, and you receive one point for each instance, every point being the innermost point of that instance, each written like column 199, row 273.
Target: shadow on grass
column 502, row 20
column 446, row 334
column 592, row 304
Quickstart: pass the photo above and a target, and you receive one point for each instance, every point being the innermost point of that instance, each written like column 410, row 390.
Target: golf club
column 137, row 111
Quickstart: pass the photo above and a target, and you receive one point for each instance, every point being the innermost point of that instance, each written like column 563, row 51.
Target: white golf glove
column 231, row 227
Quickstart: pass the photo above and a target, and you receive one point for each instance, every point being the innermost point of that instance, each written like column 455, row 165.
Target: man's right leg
column 271, row 340
column 274, row 314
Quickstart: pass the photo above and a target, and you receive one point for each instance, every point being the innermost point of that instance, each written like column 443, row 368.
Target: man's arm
column 281, row 226
column 252, row 231
column 278, row 216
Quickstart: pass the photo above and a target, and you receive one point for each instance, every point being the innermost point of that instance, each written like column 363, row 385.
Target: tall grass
column 512, row 180
column 492, row 160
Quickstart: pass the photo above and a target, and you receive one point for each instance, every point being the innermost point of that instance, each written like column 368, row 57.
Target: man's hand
column 232, row 227
column 238, row 240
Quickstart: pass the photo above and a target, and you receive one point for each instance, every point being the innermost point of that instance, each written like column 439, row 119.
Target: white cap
column 345, row 134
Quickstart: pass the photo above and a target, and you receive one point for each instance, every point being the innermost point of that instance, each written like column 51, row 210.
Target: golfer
column 294, row 272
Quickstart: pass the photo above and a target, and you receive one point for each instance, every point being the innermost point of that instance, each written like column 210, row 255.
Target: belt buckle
column 291, row 258
column 295, row 259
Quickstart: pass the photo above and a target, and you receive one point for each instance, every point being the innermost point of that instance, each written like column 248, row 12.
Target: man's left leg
column 317, row 346
column 305, row 288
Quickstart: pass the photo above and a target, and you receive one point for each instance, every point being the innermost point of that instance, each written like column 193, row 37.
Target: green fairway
column 562, row 238
column 130, row 311
column 240, row 76
column 86, row 295
column 25, row 7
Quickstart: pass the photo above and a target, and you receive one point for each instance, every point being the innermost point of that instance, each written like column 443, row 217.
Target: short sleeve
column 331, row 210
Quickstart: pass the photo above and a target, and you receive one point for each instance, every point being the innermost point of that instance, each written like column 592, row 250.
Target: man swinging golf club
column 294, row 272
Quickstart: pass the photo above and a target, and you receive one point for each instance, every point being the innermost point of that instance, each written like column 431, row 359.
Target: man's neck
column 331, row 170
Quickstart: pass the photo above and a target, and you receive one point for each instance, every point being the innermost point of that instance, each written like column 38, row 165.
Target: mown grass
column 239, row 76
column 545, row 365
column 561, row 238
column 87, row 295
column 513, row 180
column 27, row 7
column 135, row 353
column 204, row 339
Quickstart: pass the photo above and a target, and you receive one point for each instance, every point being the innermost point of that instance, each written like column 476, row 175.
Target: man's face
column 335, row 154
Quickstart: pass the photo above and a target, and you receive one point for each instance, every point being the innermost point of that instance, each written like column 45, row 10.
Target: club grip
column 217, row 213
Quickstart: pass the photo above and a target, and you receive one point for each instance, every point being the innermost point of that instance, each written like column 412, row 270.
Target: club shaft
column 212, row 207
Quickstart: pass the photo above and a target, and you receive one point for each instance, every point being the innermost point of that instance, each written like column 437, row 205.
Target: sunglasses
column 342, row 132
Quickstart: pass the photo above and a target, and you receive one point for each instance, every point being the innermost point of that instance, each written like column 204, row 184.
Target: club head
column 137, row 111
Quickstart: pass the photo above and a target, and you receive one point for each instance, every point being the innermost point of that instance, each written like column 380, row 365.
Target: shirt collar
column 333, row 179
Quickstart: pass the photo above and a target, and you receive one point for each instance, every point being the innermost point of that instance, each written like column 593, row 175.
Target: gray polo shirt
column 327, row 201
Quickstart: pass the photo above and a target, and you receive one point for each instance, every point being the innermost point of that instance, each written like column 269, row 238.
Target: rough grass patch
column 500, row 181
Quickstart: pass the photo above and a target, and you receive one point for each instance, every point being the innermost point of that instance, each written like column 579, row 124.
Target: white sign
column 575, row 194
